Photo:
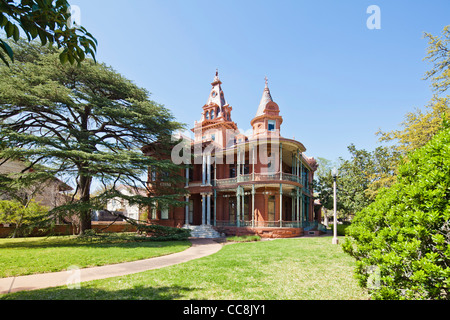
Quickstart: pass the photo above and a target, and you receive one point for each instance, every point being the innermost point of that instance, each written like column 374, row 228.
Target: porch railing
column 259, row 177
column 260, row 224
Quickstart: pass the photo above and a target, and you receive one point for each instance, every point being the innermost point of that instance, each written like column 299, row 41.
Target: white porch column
column 281, row 162
column 208, row 168
column 203, row 208
column 253, row 205
column 238, row 206
column 186, row 211
column 204, row 170
column 215, row 207
column 238, row 165
column 253, row 162
column 208, row 209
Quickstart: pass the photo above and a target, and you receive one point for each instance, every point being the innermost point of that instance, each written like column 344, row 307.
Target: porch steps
column 203, row 231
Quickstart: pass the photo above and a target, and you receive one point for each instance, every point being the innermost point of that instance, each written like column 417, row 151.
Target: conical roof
column 266, row 98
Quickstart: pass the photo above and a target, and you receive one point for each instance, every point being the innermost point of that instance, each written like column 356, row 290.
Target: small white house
column 122, row 205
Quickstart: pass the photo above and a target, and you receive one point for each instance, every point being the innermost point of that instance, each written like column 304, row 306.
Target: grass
column 285, row 269
column 24, row 256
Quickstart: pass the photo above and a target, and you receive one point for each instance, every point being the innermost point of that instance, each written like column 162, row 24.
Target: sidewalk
column 200, row 248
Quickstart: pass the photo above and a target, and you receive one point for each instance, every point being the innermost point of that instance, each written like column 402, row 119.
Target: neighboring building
column 123, row 206
column 239, row 184
column 51, row 193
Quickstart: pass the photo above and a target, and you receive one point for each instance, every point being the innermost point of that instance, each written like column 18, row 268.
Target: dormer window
column 212, row 114
column 207, row 115
column 271, row 124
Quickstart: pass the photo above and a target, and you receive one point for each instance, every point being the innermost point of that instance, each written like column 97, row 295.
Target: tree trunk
column 85, row 214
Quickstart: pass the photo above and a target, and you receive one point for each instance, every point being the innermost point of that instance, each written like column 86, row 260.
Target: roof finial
column 217, row 72
column 267, row 82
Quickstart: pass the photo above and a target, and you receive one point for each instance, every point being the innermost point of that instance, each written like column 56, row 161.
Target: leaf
column 63, row 57
column 9, row 28
column 7, row 49
column 16, row 34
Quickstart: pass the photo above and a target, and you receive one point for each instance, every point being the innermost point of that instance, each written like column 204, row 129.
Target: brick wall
column 262, row 232
column 67, row 229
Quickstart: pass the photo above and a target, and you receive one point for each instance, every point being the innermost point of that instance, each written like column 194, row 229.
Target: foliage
column 359, row 179
column 87, row 123
column 24, row 217
column 439, row 54
column 48, row 20
column 405, row 233
column 418, row 127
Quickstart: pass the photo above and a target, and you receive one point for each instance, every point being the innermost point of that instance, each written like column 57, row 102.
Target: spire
column 266, row 98
column 216, row 96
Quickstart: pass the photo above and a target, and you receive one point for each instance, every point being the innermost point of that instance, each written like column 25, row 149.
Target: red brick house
column 243, row 184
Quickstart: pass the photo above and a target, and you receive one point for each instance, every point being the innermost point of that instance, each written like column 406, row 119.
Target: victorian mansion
column 243, row 184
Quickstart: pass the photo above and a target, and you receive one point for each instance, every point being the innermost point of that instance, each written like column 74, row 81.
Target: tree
column 419, row 127
column 405, row 234
column 23, row 216
column 50, row 21
column 85, row 122
column 439, row 54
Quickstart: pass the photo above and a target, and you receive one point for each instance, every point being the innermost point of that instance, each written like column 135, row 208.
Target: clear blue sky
column 336, row 81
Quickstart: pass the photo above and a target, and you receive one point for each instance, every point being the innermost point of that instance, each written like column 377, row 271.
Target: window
column 213, row 137
column 271, row 209
column 246, row 208
column 232, row 209
column 191, row 211
column 212, row 114
column 153, row 213
column 232, row 171
column 207, row 115
column 165, row 213
column 271, row 125
column 152, row 173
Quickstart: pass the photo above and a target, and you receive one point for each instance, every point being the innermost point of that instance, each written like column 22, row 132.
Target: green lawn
column 24, row 256
column 288, row 269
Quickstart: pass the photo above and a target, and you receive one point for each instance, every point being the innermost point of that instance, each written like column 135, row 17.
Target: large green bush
column 25, row 218
column 401, row 241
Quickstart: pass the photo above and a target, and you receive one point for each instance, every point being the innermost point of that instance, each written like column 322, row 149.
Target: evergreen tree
column 85, row 122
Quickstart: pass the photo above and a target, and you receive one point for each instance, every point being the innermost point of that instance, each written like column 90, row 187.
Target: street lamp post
column 334, row 173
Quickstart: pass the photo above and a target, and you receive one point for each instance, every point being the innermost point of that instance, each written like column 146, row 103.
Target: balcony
column 255, row 177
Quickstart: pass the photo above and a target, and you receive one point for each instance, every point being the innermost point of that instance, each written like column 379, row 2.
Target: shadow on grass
column 70, row 243
column 139, row 292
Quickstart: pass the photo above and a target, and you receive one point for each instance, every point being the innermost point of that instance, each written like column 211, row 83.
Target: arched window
column 207, row 115
column 212, row 114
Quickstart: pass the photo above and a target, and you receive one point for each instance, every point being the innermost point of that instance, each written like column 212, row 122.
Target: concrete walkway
column 200, row 248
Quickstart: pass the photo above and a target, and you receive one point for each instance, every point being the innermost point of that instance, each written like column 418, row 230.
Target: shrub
column 25, row 218
column 401, row 241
